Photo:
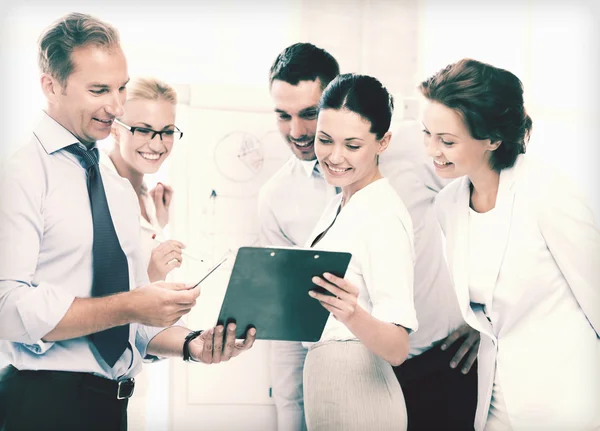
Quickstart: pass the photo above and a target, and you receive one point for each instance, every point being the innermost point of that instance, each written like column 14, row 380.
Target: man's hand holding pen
column 161, row 304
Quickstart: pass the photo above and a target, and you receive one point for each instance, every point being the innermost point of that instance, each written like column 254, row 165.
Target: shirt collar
column 52, row 135
column 105, row 160
column 308, row 166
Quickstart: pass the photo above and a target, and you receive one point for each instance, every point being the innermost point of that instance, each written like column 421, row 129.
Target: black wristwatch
column 186, row 344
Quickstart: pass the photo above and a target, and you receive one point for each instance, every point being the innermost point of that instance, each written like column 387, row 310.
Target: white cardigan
column 545, row 308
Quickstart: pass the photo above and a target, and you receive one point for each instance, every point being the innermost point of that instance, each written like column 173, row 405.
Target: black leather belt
column 119, row 389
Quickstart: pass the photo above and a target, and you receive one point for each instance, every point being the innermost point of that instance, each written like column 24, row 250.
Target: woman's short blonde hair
column 151, row 89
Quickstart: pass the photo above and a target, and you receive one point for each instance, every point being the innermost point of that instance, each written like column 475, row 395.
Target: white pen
column 185, row 253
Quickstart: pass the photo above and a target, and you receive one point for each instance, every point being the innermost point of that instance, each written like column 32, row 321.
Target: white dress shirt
column 148, row 228
column 376, row 228
column 291, row 203
column 46, row 238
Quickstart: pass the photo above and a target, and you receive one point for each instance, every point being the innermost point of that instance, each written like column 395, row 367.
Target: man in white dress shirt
column 77, row 312
column 438, row 396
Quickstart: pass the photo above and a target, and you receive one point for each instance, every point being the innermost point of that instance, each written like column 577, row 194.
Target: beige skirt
column 348, row 388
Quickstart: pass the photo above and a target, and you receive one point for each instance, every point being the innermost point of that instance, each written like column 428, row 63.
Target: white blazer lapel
column 503, row 217
column 460, row 263
column 460, row 251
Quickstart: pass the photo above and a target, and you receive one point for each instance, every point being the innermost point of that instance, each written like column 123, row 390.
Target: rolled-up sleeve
column 144, row 335
column 27, row 311
column 389, row 273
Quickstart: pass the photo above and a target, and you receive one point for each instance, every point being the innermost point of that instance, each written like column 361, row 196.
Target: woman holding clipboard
column 349, row 383
column 142, row 140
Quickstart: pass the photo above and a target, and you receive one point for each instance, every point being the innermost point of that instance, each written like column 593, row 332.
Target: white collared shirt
column 291, row 203
column 376, row 228
column 148, row 228
column 46, row 238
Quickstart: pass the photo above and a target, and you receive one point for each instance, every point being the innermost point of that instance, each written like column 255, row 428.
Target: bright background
column 218, row 55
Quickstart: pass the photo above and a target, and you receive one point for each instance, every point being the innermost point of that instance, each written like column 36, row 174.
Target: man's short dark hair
column 304, row 62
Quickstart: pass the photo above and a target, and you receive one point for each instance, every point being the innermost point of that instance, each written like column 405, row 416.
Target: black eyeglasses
column 168, row 135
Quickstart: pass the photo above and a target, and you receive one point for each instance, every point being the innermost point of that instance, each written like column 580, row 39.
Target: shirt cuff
column 144, row 336
column 407, row 319
column 41, row 309
column 40, row 347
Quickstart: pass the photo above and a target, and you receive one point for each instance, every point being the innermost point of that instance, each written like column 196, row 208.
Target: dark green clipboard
column 268, row 290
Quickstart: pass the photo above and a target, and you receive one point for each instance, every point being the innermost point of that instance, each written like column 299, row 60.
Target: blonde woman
column 142, row 140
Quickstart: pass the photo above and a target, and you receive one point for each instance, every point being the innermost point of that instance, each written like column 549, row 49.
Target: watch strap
column 186, row 344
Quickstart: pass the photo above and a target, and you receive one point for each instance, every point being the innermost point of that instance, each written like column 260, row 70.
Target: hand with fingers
column 217, row 345
column 161, row 304
column 162, row 195
column 343, row 304
column 468, row 349
column 164, row 258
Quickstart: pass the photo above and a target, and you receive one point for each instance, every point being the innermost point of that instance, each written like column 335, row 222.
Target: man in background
column 438, row 396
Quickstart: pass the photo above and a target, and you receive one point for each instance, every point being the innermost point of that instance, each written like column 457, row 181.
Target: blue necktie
column 109, row 263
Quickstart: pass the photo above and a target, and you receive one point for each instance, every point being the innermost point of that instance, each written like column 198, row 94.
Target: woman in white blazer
column 524, row 252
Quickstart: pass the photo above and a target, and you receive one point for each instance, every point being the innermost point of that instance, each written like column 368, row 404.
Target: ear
column 493, row 146
column 384, row 142
column 51, row 88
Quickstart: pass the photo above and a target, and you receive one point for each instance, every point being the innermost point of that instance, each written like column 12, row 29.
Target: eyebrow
column 98, row 85
column 148, row 126
column 304, row 111
column 347, row 139
column 308, row 110
column 443, row 133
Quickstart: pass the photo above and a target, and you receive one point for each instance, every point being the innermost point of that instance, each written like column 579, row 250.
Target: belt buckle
column 125, row 389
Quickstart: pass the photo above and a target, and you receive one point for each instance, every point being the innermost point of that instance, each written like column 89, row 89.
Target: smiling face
column 296, row 109
column 347, row 150
column 448, row 141
column 139, row 153
column 93, row 94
